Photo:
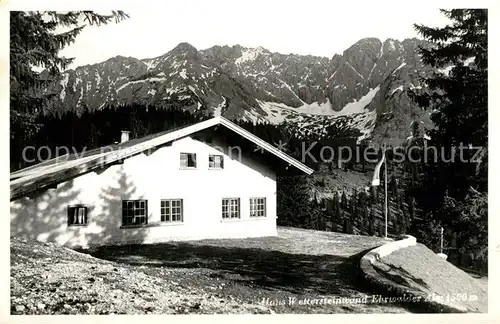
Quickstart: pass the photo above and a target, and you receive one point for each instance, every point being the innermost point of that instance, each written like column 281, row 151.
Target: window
column 77, row 215
column 171, row 210
column 257, row 207
column 215, row 162
column 134, row 212
column 230, row 208
column 188, row 160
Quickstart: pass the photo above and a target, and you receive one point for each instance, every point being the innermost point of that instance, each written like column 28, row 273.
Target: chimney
column 125, row 136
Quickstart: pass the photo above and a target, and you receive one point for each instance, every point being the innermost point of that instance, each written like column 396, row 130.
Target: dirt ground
column 299, row 271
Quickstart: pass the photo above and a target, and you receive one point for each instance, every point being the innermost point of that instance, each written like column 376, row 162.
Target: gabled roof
column 54, row 171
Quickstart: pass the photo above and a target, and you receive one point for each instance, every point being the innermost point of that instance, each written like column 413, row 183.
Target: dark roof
column 52, row 172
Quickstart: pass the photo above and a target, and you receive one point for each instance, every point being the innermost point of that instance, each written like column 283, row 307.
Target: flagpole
column 385, row 191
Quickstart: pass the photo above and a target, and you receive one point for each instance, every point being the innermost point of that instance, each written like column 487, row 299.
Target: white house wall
column 154, row 177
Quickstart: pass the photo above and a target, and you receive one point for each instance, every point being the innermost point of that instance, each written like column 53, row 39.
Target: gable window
column 230, row 208
column 77, row 215
column 257, row 207
column 188, row 160
column 171, row 210
column 215, row 162
column 134, row 212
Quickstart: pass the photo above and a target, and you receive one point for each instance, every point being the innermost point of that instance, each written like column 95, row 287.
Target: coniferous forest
column 423, row 196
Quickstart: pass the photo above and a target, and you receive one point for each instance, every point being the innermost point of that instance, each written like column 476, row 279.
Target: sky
column 309, row 27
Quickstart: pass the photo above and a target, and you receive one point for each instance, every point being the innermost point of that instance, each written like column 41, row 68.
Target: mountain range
column 361, row 93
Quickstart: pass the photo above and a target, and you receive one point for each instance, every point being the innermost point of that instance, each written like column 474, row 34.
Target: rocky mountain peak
column 185, row 49
column 369, row 43
column 364, row 89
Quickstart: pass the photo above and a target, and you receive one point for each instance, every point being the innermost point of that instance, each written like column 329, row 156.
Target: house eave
column 32, row 181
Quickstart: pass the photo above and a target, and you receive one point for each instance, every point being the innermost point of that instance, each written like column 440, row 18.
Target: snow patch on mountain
column 183, row 74
column 151, row 64
column 152, row 79
column 470, row 60
column 286, row 85
column 354, row 70
column 171, row 91
column 305, row 126
column 316, row 108
column 317, row 118
column 279, row 112
column 249, row 54
column 98, row 79
column 400, row 88
column 446, row 70
column 358, row 106
column 253, row 116
column 77, row 83
column 64, row 83
column 399, row 67
column 127, row 84
column 218, row 109
column 331, row 76
column 365, row 123
column 371, row 71
column 276, row 112
column 391, row 46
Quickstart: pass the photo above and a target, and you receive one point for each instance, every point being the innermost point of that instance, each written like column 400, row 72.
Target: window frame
column 187, row 167
column 229, row 208
column 134, row 201
column 214, row 167
column 255, row 204
column 170, row 207
column 70, row 214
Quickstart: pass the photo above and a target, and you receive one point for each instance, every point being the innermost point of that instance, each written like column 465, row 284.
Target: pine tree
column 361, row 221
column 330, row 212
column 343, row 201
column 338, row 213
column 372, row 226
column 367, row 220
column 34, row 42
column 381, row 229
column 394, row 190
column 405, row 216
column 459, row 101
column 464, row 39
column 293, row 200
column 402, row 222
column 353, row 210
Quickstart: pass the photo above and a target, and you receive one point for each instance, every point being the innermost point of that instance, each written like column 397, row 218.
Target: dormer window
column 188, row 160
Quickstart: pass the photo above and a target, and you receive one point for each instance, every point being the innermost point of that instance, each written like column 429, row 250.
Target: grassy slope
column 420, row 268
column 210, row 276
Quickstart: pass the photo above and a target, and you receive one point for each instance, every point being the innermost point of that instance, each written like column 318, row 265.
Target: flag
column 376, row 173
